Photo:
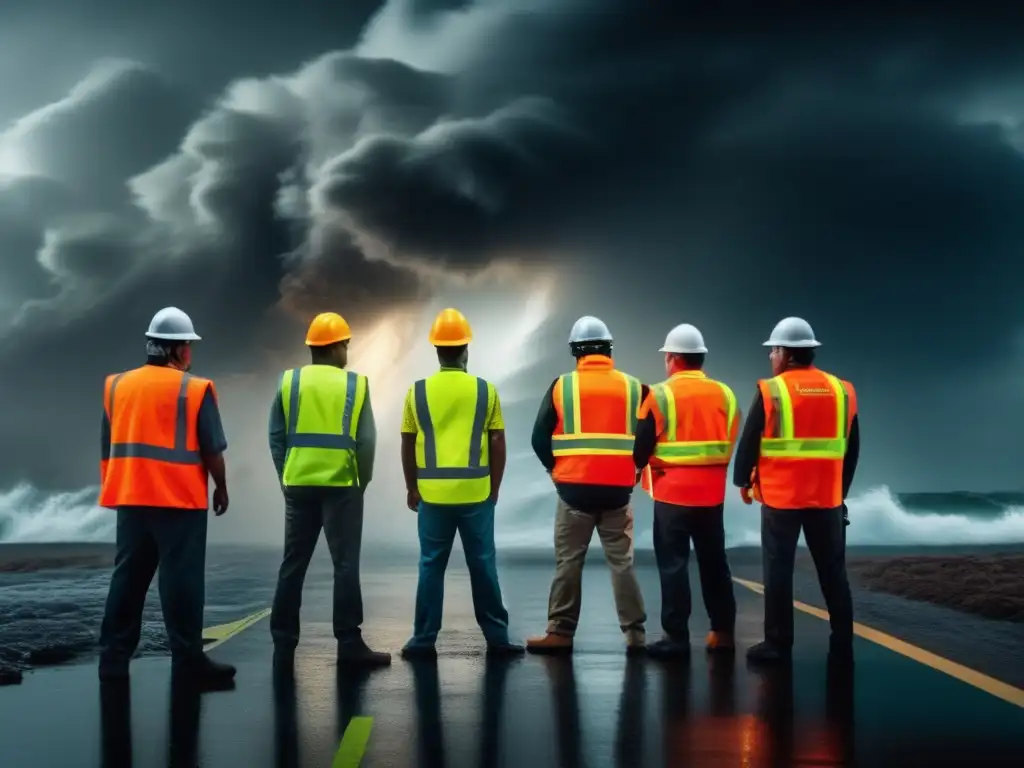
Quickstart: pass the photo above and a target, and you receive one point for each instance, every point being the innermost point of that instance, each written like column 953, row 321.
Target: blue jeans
column 474, row 523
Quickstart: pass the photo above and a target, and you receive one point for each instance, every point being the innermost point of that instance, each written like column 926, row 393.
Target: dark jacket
column 586, row 498
column 748, row 450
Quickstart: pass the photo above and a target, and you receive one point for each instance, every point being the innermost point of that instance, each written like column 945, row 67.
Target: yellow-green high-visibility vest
column 452, row 444
column 322, row 404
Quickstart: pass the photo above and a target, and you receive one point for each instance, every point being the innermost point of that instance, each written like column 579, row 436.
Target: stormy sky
column 256, row 167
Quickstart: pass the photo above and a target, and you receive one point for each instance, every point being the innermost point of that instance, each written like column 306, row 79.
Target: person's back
column 154, row 458
column 452, row 447
column 690, row 461
column 808, row 413
column 583, row 436
column 797, row 456
column 592, row 441
column 322, row 441
column 453, row 459
column 684, row 442
column 162, row 439
column 322, row 406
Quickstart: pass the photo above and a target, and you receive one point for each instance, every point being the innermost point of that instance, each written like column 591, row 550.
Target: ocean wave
column 28, row 515
column 878, row 517
column 964, row 502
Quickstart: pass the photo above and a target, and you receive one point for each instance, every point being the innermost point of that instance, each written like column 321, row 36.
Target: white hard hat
column 684, row 339
column 171, row 324
column 589, row 329
column 792, row 332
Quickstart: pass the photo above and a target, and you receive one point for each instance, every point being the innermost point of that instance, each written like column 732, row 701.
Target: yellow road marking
column 353, row 743
column 982, row 682
column 224, row 632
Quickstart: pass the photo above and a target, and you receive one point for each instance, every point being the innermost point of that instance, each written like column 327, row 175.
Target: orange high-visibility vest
column 593, row 439
column 697, row 422
column 154, row 444
column 808, row 414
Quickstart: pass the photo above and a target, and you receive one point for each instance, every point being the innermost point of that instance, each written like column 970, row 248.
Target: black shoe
column 205, row 669
column 667, row 648
column 418, row 652
column 506, row 649
column 767, row 652
column 359, row 654
column 10, row 676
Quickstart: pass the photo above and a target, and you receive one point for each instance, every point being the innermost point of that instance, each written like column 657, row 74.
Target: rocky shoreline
column 28, row 558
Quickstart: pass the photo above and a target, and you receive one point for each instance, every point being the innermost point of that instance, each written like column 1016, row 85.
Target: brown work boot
column 550, row 643
column 636, row 642
column 720, row 642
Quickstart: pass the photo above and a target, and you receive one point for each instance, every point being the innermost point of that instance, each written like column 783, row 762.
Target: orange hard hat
column 450, row 329
column 327, row 328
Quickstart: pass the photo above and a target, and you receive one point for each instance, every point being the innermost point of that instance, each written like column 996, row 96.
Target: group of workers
column 599, row 432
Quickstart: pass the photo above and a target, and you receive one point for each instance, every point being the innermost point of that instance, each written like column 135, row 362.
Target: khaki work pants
column 573, row 532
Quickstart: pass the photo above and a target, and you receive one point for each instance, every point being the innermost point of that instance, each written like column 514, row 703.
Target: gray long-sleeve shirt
column 366, row 438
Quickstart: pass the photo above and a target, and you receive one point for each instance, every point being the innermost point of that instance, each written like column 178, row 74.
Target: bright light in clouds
column 12, row 161
column 504, row 306
column 504, row 310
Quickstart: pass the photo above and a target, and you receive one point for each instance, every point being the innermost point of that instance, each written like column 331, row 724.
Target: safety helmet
column 792, row 332
column 327, row 328
column 684, row 339
column 588, row 330
column 171, row 324
column 450, row 329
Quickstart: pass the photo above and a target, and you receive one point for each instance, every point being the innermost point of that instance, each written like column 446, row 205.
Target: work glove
column 846, row 515
column 745, row 495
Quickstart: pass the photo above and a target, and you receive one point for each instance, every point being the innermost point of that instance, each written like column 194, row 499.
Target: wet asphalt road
column 594, row 710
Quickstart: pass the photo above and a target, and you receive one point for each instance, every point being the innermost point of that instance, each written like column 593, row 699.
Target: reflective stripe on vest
column 784, row 444
column 431, row 471
column 179, row 454
column 574, row 442
column 692, row 452
column 340, row 440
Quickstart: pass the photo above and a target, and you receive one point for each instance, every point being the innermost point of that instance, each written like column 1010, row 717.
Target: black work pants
column 825, row 534
column 674, row 527
column 339, row 512
column 174, row 540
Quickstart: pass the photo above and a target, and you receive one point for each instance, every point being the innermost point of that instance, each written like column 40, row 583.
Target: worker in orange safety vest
column 162, row 439
column 583, row 436
column 797, row 456
column 684, row 441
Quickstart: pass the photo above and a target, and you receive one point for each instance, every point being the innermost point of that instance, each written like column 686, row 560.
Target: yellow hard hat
column 327, row 328
column 450, row 329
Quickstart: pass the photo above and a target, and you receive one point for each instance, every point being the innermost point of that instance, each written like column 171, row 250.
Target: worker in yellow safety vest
column 322, row 441
column 453, row 458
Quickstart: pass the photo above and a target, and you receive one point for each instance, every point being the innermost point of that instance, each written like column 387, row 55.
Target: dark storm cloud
column 454, row 192
column 118, row 121
column 858, row 170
